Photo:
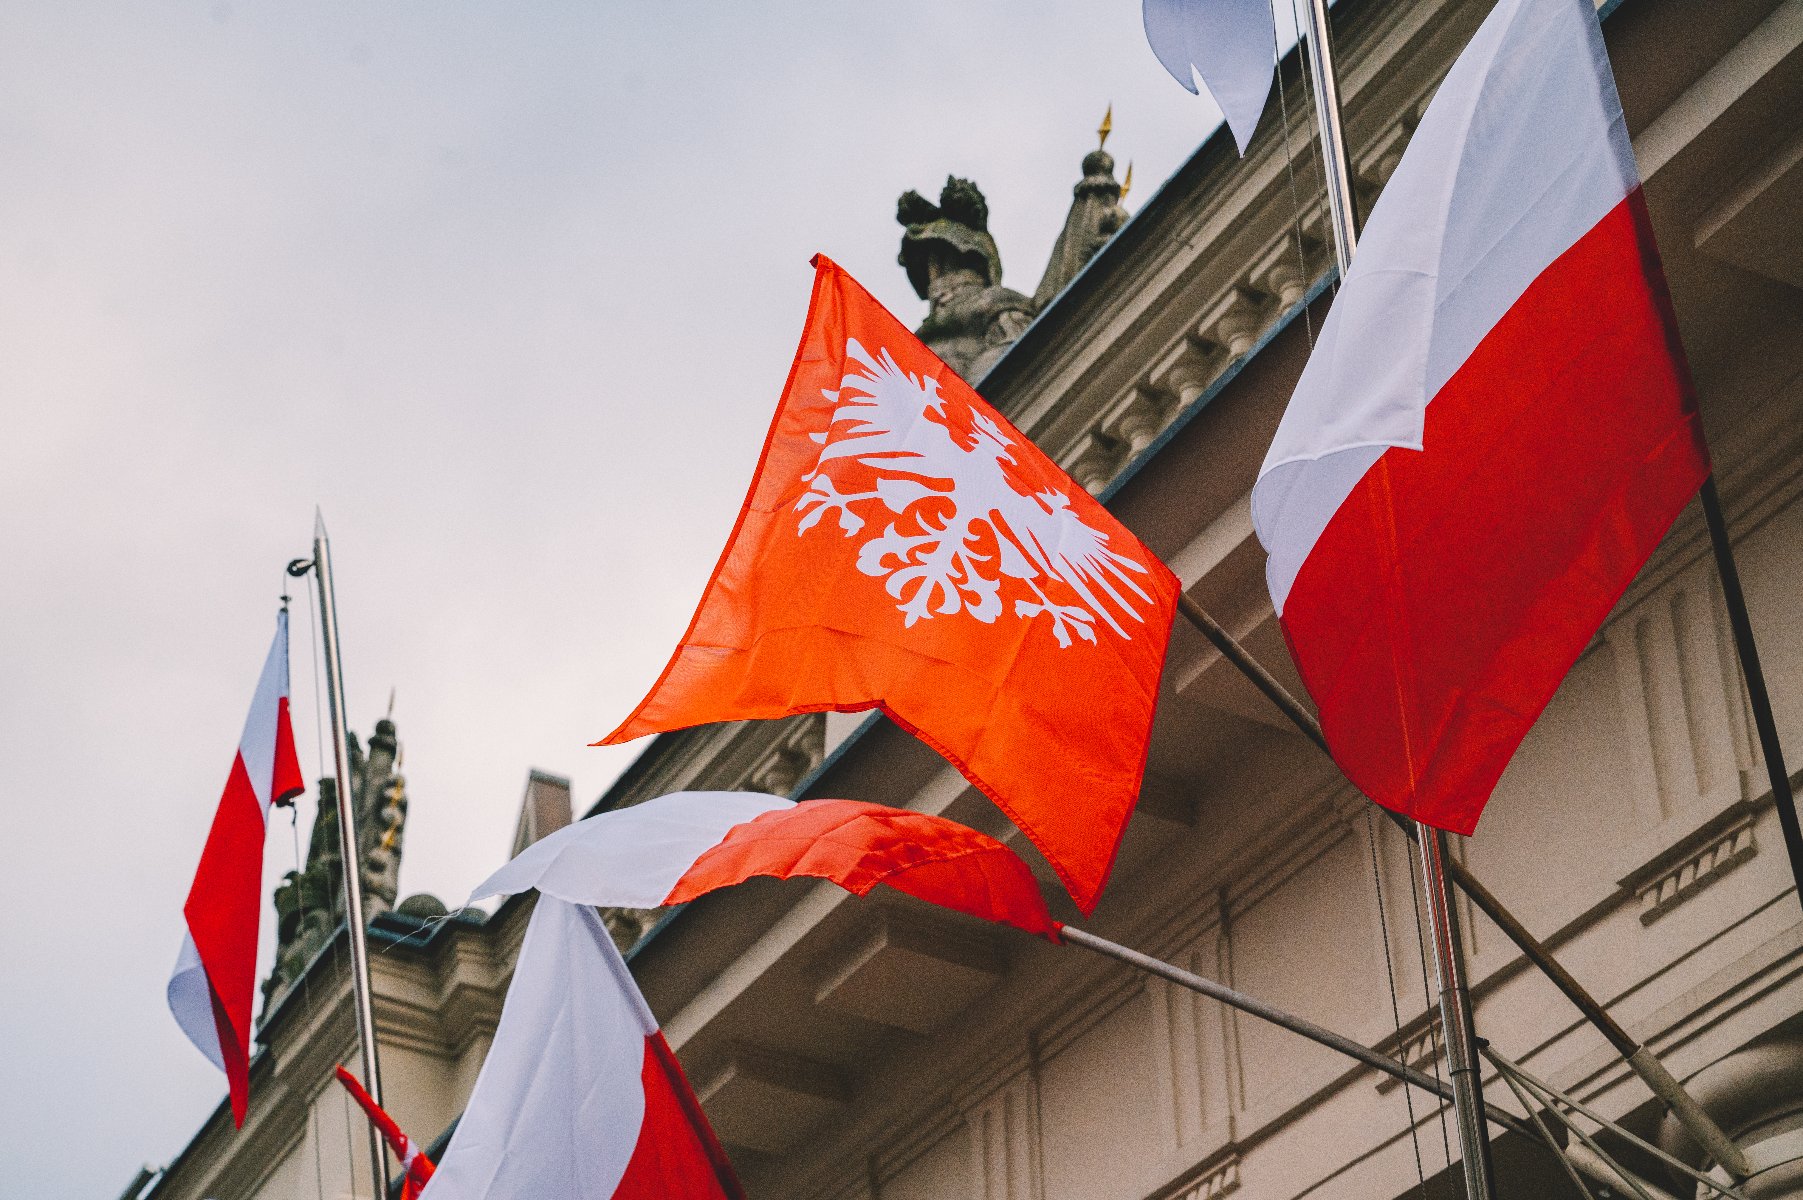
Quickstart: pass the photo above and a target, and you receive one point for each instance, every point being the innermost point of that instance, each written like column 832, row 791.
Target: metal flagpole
column 1640, row 1058
column 1644, row 1063
column 347, row 843
column 1455, row 999
column 1455, row 1018
column 1340, row 207
column 1276, row 1016
column 1748, row 651
column 1189, row 980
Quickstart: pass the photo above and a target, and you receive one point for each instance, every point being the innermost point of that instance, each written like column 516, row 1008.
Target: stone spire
column 1095, row 216
column 309, row 904
column 954, row 266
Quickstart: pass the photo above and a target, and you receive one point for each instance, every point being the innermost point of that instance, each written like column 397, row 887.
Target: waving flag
column 580, row 1097
column 674, row 848
column 415, row 1164
column 215, row 977
column 1231, row 44
column 1494, row 431
column 905, row 548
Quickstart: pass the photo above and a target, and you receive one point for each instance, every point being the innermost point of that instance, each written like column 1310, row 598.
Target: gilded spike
column 1106, row 128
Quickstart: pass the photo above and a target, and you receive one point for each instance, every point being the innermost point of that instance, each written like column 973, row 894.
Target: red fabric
column 677, row 1154
column 1456, row 586
column 286, row 782
column 222, row 909
column 858, row 845
column 418, row 1166
column 871, row 607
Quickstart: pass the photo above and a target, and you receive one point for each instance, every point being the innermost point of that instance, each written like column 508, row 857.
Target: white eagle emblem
column 962, row 526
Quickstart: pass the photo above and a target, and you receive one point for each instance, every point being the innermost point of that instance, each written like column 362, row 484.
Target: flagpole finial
column 319, row 522
column 1106, row 127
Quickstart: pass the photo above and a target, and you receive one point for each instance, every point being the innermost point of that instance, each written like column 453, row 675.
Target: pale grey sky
column 509, row 289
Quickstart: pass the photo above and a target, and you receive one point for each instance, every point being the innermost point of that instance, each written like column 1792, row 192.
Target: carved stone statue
column 954, row 266
column 309, row 904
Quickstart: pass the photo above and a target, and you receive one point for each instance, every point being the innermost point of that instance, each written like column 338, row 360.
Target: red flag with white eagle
column 1495, row 428
column 214, row 981
column 416, row 1166
column 904, row 547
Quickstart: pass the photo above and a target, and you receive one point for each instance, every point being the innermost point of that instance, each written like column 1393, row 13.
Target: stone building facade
column 870, row 1049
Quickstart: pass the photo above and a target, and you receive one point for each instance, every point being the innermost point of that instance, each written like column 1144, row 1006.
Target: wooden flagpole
column 347, row 844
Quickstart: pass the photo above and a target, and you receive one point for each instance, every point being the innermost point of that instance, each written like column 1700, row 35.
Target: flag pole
column 1640, row 1058
column 1344, row 221
column 1610, row 1176
column 1455, row 997
column 1455, row 1017
column 347, row 841
column 1748, row 652
column 1341, row 210
column 1275, row 1016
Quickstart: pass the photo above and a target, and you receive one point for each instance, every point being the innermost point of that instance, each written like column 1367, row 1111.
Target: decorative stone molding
column 785, row 764
column 1005, row 1142
column 629, row 925
column 1688, row 740
column 1693, row 865
column 1216, row 1179
column 1237, row 319
column 1189, row 1034
column 1420, row 1046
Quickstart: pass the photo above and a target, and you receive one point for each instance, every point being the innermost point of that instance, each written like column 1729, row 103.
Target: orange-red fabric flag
column 905, row 548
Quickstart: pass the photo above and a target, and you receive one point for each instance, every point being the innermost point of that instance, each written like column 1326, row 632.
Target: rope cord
column 319, row 1175
column 1383, row 926
column 300, row 902
column 350, row 1144
column 319, row 722
column 1289, row 164
column 1427, row 999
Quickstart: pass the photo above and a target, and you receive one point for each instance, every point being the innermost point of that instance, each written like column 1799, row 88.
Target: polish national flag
column 674, row 848
column 580, row 1097
column 904, row 547
column 1495, row 428
column 416, row 1166
column 214, row 981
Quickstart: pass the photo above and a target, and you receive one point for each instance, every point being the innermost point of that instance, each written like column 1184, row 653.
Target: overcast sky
column 509, row 289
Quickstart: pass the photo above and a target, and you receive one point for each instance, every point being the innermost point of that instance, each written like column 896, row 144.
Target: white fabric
column 257, row 743
column 192, row 1003
column 559, row 1103
column 631, row 857
column 1233, row 46
column 1522, row 151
